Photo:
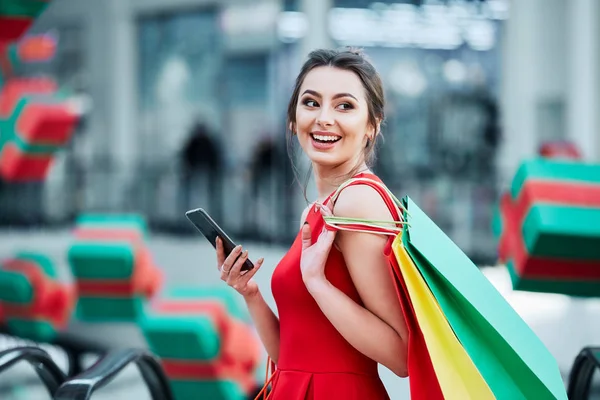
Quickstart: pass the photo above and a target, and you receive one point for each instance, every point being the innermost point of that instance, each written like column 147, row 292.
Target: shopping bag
column 511, row 359
column 424, row 384
column 480, row 316
column 458, row 377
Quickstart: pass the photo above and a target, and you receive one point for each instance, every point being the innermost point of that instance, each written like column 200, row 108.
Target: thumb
column 306, row 236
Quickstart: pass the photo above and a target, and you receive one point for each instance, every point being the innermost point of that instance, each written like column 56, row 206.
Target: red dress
column 315, row 361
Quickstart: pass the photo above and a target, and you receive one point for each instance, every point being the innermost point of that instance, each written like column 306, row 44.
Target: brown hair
column 351, row 60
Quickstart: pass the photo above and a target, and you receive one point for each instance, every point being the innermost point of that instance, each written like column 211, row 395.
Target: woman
column 339, row 314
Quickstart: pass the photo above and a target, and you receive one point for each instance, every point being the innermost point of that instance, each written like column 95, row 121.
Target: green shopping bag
column 511, row 358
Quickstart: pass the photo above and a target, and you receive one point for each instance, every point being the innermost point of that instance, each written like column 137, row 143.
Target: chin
column 325, row 160
column 332, row 157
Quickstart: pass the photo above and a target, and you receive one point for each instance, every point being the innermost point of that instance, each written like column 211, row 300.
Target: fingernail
column 245, row 253
column 260, row 260
column 238, row 248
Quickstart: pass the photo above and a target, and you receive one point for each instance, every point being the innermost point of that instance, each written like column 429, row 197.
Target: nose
column 325, row 118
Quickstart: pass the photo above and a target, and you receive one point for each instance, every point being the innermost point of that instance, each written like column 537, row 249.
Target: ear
column 292, row 128
column 374, row 130
column 377, row 128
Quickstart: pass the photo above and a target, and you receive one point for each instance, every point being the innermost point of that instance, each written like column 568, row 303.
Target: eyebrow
column 336, row 96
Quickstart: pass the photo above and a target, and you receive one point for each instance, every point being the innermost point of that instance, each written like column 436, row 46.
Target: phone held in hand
column 211, row 230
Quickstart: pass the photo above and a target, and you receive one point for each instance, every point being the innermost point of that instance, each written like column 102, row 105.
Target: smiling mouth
column 325, row 138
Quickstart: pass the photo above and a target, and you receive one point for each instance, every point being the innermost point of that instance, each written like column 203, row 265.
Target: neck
column 328, row 178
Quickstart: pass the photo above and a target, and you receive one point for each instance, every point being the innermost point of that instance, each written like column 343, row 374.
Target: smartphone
column 211, row 230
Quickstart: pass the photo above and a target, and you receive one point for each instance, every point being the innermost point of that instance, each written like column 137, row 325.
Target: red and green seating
column 35, row 120
column 205, row 342
column 35, row 303
column 9, row 61
column 32, row 49
column 129, row 227
column 29, row 49
column 549, row 228
column 16, row 16
column 35, row 124
column 112, row 266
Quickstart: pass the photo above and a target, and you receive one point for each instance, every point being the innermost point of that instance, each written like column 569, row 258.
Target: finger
column 306, row 236
column 246, row 276
column 326, row 210
column 326, row 238
column 223, row 275
column 220, row 252
column 235, row 270
column 229, row 261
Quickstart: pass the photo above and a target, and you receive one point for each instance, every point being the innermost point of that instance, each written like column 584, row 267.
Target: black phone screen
column 211, row 230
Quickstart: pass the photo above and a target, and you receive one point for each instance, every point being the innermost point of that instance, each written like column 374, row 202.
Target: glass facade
column 209, row 126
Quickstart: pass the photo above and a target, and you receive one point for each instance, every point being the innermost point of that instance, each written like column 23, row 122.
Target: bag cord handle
column 390, row 228
column 269, row 375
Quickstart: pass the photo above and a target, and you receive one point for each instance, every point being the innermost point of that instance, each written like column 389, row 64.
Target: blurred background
column 183, row 105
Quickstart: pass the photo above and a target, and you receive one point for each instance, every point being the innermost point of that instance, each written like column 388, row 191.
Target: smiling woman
column 352, row 97
column 339, row 314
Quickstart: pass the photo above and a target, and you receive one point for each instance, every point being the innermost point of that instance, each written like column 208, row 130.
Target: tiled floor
column 565, row 325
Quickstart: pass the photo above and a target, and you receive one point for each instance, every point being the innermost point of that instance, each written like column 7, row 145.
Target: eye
column 310, row 103
column 345, row 106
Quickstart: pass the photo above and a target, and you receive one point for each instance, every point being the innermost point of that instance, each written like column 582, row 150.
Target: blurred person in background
column 339, row 314
column 267, row 175
column 201, row 154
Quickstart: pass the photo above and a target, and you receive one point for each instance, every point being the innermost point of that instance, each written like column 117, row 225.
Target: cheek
column 304, row 124
column 355, row 126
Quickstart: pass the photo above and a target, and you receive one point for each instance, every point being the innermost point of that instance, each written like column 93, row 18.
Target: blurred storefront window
column 208, row 68
column 222, row 74
column 179, row 74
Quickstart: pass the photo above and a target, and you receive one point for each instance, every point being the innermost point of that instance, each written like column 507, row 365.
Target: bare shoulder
column 361, row 201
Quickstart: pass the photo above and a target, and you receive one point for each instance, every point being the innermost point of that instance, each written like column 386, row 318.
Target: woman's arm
column 378, row 329
column 265, row 320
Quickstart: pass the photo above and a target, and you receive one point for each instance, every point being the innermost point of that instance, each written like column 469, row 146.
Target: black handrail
column 582, row 372
column 82, row 386
column 50, row 374
column 75, row 346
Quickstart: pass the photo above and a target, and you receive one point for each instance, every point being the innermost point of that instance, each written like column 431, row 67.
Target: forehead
column 329, row 81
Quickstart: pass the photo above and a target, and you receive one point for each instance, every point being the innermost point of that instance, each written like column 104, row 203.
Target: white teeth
column 326, row 138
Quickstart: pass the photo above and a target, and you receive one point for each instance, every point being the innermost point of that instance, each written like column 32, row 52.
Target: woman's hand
column 231, row 272
column 314, row 256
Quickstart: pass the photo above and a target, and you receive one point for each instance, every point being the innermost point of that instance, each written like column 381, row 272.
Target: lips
column 323, row 141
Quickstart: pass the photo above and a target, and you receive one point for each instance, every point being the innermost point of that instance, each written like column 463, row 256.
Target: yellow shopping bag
column 457, row 375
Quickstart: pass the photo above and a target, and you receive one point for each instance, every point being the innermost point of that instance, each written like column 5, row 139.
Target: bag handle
column 390, row 228
column 269, row 375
